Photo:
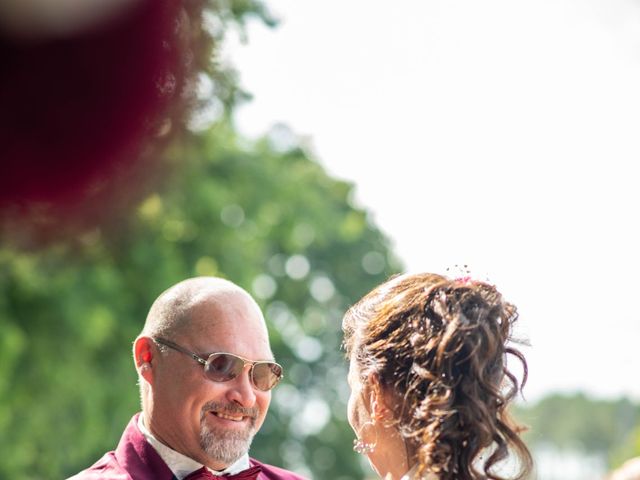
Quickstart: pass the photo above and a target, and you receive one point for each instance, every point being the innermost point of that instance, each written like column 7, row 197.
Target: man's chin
column 225, row 446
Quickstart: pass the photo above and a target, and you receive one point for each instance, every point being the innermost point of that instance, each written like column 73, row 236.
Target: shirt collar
column 181, row 465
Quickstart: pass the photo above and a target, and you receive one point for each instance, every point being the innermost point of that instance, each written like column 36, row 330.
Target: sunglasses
column 222, row 367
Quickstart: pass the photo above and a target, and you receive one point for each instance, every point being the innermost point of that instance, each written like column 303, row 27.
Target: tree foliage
column 264, row 216
column 578, row 422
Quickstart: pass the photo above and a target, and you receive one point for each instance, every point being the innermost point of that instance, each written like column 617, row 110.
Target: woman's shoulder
column 413, row 475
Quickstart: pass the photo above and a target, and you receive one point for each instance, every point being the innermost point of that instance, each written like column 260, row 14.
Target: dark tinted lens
column 221, row 367
column 266, row 375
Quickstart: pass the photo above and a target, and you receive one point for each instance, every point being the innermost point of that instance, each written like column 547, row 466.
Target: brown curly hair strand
column 439, row 346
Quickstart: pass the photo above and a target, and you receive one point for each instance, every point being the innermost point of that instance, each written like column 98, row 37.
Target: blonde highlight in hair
column 439, row 346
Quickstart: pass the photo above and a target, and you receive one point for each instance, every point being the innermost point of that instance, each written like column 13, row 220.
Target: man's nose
column 241, row 389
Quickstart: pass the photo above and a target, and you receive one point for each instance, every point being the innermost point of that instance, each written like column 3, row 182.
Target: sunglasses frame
column 205, row 361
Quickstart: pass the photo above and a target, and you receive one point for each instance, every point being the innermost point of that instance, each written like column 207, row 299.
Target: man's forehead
column 213, row 319
column 221, row 304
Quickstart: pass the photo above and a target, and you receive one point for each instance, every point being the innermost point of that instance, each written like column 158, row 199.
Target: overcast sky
column 498, row 133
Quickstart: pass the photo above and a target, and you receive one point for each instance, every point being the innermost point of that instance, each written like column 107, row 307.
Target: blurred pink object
column 84, row 86
column 50, row 18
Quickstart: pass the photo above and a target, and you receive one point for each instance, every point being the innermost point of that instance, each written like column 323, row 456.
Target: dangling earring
column 362, row 447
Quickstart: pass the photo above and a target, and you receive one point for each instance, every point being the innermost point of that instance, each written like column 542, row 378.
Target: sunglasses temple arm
column 177, row 347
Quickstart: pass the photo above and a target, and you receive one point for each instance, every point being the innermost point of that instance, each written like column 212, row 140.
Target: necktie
column 204, row 474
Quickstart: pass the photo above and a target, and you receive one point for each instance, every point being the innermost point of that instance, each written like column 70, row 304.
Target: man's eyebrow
column 270, row 358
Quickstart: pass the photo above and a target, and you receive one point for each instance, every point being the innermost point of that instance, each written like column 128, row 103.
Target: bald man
column 206, row 371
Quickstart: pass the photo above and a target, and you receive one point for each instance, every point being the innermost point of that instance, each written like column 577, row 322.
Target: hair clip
column 462, row 274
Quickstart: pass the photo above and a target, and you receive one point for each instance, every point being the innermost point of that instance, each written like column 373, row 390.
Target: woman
column 429, row 382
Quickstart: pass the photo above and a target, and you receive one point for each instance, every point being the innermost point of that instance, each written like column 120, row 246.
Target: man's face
column 212, row 422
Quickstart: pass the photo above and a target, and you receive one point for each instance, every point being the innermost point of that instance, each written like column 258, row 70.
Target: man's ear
column 144, row 356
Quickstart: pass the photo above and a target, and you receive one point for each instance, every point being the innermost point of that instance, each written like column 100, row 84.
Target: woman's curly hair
column 439, row 346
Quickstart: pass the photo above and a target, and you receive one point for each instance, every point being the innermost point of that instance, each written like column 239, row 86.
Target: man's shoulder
column 106, row 468
column 271, row 472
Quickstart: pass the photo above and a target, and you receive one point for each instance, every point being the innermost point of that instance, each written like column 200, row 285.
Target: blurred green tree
column 262, row 214
column 580, row 423
column 627, row 448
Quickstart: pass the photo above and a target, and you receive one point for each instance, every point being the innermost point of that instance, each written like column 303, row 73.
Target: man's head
column 212, row 422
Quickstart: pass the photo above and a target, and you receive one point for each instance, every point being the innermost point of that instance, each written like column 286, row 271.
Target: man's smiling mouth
column 229, row 416
column 230, row 413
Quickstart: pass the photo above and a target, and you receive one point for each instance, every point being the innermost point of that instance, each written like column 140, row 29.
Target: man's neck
column 182, row 465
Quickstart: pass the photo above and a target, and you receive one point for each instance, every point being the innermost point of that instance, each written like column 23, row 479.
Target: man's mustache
column 229, row 408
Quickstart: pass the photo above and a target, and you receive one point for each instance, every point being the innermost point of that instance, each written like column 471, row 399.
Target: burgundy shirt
column 135, row 459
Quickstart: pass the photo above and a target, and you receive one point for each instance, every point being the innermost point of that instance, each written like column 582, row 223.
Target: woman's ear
column 378, row 401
